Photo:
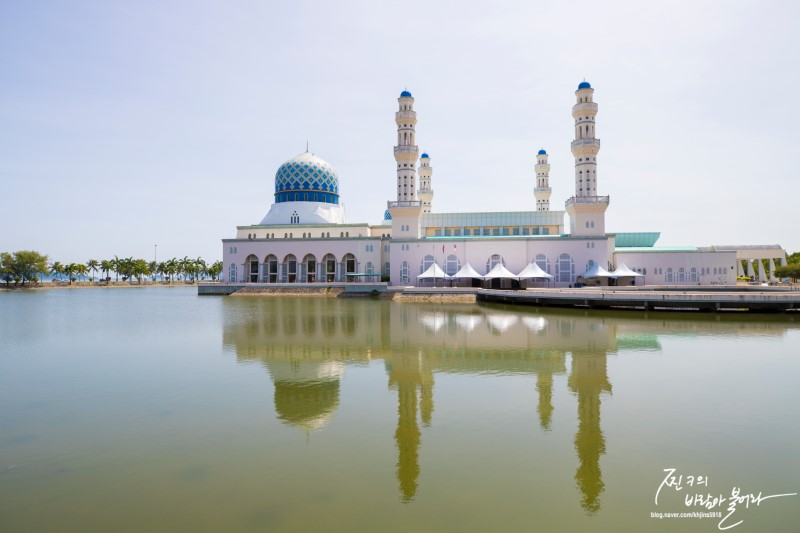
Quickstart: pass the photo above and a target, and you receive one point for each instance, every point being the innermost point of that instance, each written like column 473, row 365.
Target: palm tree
column 115, row 264
column 93, row 265
column 57, row 269
column 215, row 270
column 106, row 266
column 69, row 270
column 201, row 267
column 81, row 269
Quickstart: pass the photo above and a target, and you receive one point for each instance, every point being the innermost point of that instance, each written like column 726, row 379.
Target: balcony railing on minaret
column 404, row 203
column 588, row 200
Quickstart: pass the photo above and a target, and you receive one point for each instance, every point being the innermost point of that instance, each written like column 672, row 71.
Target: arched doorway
column 349, row 266
column 310, row 268
column 251, row 267
column 329, row 266
column 290, row 269
column 271, row 269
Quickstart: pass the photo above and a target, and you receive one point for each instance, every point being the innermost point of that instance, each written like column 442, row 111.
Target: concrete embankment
column 651, row 299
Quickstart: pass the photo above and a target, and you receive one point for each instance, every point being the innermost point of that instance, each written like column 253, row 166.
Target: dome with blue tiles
column 306, row 178
column 584, row 85
column 425, row 156
column 405, row 94
column 387, row 215
column 542, row 152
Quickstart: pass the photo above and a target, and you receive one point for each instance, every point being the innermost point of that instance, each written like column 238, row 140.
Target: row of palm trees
column 129, row 268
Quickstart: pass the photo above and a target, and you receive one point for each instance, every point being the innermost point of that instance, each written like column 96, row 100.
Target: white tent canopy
column 597, row 272
column 433, row 272
column 534, row 271
column 467, row 272
column 622, row 271
column 499, row 271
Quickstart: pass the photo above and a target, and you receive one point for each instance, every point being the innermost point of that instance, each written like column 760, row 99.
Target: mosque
column 305, row 237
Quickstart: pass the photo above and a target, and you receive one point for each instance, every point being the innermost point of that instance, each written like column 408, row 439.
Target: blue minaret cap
column 424, row 156
column 584, row 85
column 387, row 215
column 405, row 93
column 542, row 152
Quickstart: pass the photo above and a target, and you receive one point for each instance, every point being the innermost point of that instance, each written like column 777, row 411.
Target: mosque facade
column 305, row 237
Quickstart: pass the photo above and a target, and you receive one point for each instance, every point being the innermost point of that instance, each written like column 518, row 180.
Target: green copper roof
column 629, row 240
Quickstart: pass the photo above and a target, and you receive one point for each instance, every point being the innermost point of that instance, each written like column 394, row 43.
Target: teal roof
column 643, row 240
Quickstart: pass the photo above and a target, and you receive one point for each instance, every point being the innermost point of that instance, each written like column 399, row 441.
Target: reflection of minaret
column 588, row 379
column 544, row 386
column 406, row 374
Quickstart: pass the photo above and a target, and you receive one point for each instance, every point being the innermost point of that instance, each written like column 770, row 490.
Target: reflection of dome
column 306, row 178
column 306, row 394
column 308, row 405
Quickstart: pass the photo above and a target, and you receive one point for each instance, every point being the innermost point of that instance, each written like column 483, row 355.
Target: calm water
column 156, row 410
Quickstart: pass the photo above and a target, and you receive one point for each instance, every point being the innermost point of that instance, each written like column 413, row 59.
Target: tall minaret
column 425, row 192
column 586, row 209
column 407, row 210
column 542, row 190
column 405, row 153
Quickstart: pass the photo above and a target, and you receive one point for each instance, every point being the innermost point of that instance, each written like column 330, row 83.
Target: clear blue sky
column 129, row 124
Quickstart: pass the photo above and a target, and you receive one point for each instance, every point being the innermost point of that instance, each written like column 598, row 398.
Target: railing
column 583, row 142
column 581, row 106
column 406, row 148
column 405, row 114
column 588, row 200
column 542, row 189
column 404, row 203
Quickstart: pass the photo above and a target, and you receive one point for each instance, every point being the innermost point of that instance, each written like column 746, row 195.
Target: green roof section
column 637, row 240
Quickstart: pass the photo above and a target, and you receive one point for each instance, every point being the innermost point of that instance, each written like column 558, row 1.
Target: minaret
column 542, row 190
column 406, row 211
column 405, row 153
column 425, row 192
column 586, row 209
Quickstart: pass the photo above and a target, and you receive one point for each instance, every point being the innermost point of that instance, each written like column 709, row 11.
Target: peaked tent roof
column 500, row 271
column 467, row 272
column 623, row 271
column 434, row 271
column 534, row 271
column 597, row 272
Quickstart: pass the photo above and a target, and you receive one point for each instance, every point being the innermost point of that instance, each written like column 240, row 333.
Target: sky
column 152, row 129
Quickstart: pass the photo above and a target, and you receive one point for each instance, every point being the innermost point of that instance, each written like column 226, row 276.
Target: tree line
column 30, row 266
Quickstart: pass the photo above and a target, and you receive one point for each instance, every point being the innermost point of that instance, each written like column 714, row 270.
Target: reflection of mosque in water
column 305, row 344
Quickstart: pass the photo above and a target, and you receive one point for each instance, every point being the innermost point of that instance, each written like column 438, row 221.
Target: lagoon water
column 154, row 409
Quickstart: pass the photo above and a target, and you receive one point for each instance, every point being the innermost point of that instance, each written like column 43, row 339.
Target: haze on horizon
column 126, row 125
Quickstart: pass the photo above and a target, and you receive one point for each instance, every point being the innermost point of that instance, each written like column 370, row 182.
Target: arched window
column 542, row 262
column 693, row 275
column 681, row 275
column 452, row 265
column 493, row 261
column 565, row 268
column 369, row 268
column 232, row 273
column 669, row 277
column 404, row 272
column 426, row 263
column 589, row 265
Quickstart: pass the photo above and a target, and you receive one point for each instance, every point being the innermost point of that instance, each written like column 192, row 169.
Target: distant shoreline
column 94, row 285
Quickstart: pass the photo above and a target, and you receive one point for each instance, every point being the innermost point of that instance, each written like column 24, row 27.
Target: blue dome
column 387, row 215
column 306, row 178
column 584, row 85
column 424, row 156
column 542, row 152
column 405, row 93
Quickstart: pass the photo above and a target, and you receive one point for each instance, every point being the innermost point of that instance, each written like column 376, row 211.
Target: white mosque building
column 305, row 237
